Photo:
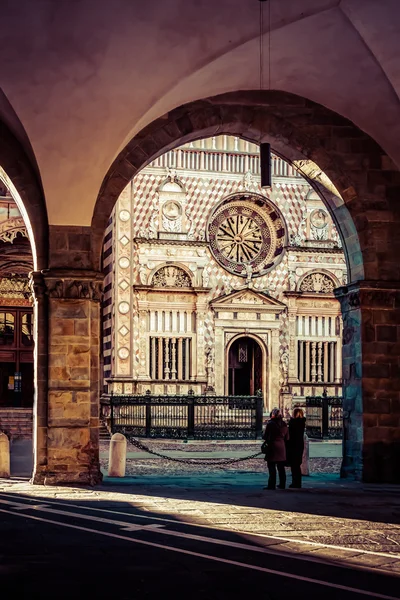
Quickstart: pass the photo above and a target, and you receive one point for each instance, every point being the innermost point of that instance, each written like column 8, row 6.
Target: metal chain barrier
column 192, row 461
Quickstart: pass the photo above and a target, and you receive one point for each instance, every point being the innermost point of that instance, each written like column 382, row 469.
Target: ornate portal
column 246, row 234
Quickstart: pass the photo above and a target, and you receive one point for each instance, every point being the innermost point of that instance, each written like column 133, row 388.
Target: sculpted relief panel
column 317, row 282
column 171, row 277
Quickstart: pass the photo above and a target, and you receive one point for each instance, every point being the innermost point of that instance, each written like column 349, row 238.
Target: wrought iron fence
column 324, row 417
column 184, row 417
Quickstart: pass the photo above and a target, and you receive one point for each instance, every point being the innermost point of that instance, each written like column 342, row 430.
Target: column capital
column 368, row 293
column 74, row 284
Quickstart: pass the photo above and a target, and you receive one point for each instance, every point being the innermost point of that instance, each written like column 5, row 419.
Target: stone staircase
column 104, row 434
column 16, row 422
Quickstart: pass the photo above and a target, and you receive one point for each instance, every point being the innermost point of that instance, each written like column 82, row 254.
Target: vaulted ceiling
column 79, row 79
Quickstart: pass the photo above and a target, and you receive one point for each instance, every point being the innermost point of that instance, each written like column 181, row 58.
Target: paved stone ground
column 325, row 457
column 327, row 511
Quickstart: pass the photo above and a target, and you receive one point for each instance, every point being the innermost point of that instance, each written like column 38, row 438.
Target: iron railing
column 184, row 417
column 324, row 417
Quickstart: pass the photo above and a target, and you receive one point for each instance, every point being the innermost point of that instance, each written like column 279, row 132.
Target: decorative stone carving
column 205, row 278
column 229, row 336
column 10, row 228
column 247, row 180
column 249, row 273
column 79, row 289
column 124, row 262
column 297, row 238
column 210, row 367
column 124, row 215
column 318, row 283
column 285, row 367
column 318, row 234
column 14, row 287
column 171, row 277
column 319, row 219
column 292, row 281
column 123, row 308
column 143, row 274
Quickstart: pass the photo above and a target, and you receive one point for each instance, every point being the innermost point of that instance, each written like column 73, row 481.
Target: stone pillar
column 4, row 456
column 67, row 416
column 371, row 380
column 117, row 456
column 40, row 311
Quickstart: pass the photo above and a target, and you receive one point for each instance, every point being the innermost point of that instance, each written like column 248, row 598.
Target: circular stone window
column 246, row 234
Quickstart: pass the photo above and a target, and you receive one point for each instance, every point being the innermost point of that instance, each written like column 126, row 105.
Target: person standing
column 276, row 435
column 295, row 445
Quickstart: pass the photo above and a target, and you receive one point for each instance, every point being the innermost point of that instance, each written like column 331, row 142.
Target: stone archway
column 319, row 143
column 21, row 178
column 245, row 367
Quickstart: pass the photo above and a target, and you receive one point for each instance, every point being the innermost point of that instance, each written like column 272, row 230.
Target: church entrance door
column 245, row 367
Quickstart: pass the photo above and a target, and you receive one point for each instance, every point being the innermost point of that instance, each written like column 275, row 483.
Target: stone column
column 371, row 380
column 67, row 413
column 292, row 315
column 201, row 314
column 40, row 311
column 220, row 367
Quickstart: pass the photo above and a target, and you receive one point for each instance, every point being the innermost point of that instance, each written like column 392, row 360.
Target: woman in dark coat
column 276, row 434
column 295, row 445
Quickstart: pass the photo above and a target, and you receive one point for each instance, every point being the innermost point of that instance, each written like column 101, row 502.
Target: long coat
column 276, row 435
column 295, row 446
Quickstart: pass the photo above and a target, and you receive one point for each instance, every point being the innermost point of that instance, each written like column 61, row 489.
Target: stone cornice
column 163, row 290
column 314, row 249
column 166, row 242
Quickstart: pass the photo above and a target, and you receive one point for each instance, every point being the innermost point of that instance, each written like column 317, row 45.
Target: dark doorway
column 245, row 367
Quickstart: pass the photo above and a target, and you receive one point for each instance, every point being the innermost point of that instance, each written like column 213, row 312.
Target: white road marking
column 237, row 531
column 159, row 528
column 209, row 557
column 124, row 525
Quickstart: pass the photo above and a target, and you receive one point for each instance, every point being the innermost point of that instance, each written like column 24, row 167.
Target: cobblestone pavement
column 138, row 463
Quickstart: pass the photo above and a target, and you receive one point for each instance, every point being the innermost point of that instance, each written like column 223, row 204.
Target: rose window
column 246, row 234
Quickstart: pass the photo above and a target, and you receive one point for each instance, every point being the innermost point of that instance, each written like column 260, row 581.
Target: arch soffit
column 298, row 130
column 18, row 174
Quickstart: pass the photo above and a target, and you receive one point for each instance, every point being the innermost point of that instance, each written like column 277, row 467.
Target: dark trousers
column 296, row 475
column 272, row 474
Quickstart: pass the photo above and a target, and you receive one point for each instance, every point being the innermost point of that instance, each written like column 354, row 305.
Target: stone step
column 17, row 423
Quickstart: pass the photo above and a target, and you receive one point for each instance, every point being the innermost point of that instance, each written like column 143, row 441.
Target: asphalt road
column 65, row 550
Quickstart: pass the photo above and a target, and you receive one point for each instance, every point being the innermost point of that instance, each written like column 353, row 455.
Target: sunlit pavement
column 332, row 537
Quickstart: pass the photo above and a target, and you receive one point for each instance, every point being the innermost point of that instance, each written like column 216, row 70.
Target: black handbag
column 264, row 447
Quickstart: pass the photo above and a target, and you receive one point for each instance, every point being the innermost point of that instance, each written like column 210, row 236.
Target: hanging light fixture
column 265, row 148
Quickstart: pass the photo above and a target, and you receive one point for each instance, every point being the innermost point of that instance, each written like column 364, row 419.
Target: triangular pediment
column 247, row 299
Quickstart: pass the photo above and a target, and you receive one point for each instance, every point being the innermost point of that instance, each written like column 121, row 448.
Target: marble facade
column 173, row 306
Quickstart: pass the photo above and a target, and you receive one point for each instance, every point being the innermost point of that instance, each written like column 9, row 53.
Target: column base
column 91, row 478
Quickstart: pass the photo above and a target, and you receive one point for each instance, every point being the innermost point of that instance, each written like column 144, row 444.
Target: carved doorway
column 245, row 370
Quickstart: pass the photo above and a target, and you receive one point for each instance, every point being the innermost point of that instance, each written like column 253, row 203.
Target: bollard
column 305, row 463
column 117, row 458
column 4, row 456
